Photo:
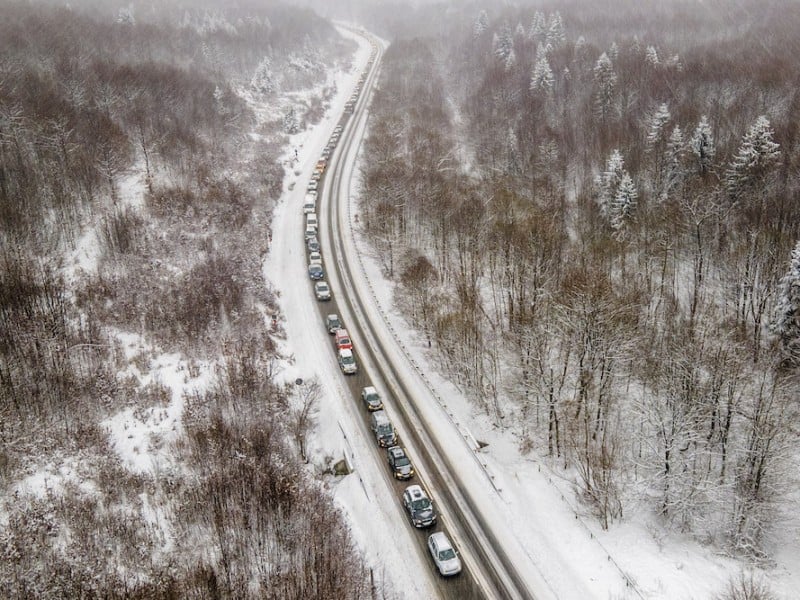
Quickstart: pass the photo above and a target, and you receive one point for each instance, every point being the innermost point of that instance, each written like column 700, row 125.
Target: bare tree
column 303, row 415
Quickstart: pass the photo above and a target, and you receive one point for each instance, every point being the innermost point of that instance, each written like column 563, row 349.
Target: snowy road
column 490, row 571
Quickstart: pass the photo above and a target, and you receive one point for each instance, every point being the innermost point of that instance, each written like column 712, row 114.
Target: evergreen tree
column 655, row 127
column 519, row 32
column 605, row 80
column 125, row 16
column 542, row 78
column 613, row 51
column 263, row 81
column 556, row 34
column 623, row 205
column 787, row 313
column 538, row 27
column 675, row 172
column 651, row 56
column 481, row 24
column 754, row 161
column 674, row 62
column 511, row 60
column 607, row 183
column 702, row 146
column 503, row 44
column 290, row 122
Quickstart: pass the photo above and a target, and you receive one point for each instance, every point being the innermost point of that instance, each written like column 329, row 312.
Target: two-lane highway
column 489, row 572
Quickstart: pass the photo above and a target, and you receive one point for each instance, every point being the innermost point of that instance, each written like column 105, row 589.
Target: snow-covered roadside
column 363, row 496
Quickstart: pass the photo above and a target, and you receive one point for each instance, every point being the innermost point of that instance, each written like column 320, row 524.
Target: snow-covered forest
column 592, row 212
column 139, row 164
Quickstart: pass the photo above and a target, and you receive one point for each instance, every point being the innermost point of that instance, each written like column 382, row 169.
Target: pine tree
column 262, row 80
column 675, row 153
column 481, row 24
column 556, row 34
column 613, row 51
column 608, row 182
column 542, row 78
column 754, row 161
column 655, row 127
column 605, row 79
column 623, row 205
column 512, row 153
column 651, row 56
column 511, row 60
column 702, row 146
column 787, row 313
column 125, row 16
column 538, row 27
column 290, row 122
column 674, row 62
column 503, row 44
column 519, row 32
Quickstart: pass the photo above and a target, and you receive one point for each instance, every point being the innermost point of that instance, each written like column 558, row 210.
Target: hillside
column 146, row 445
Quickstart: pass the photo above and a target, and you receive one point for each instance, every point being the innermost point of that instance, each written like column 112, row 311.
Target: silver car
column 444, row 555
column 347, row 362
column 322, row 291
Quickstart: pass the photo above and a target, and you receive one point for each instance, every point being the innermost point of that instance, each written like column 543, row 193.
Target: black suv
column 371, row 398
column 399, row 462
column 419, row 506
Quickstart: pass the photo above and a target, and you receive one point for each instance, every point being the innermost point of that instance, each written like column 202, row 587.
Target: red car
column 343, row 341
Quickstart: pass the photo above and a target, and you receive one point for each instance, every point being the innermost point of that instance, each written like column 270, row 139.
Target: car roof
column 342, row 332
column 397, row 451
column 441, row 540
column 320, row 283
column 415, row 491
column 370, row 389
column 332, row 317
column 345, row 352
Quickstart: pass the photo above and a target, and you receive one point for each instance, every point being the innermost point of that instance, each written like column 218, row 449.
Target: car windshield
column 401, row 461
column 348, row 360
column 421, row 504
column 447, row 554
column 372, row 397
column 322, row 287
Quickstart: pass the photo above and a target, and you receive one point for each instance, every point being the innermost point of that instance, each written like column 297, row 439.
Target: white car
column 322, row 291
column 314, row 258
column 312, row 186
column 347, row 362
column 444, row 555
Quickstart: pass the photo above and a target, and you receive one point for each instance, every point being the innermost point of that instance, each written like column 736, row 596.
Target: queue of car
column 418, row 505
